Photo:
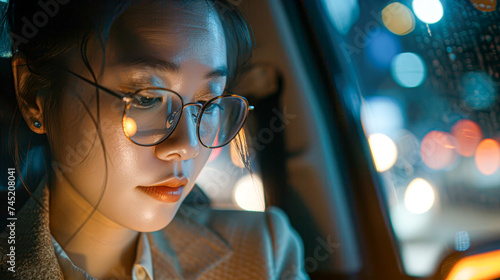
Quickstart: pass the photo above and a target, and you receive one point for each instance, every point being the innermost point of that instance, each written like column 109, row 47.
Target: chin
column 157, row 219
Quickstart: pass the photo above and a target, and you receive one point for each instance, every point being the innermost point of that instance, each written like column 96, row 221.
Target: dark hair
column 43, row 33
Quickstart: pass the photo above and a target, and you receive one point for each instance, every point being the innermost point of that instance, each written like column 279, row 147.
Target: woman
column 99, row 79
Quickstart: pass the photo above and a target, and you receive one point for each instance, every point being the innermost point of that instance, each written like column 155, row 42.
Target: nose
column 183, row 142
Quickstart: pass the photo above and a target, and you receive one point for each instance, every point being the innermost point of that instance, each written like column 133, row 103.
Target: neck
column 101, row 247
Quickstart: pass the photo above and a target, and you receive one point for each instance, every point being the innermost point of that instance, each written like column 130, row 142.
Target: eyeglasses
column 151, row 115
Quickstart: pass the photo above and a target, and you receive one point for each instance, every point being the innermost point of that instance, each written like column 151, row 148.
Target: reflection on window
column 228, row 183
column 428, row 72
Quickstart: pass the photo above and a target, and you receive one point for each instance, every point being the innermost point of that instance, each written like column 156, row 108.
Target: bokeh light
column 479, row 266
column 343, row 13
column 248, row 193
column 488, row 156
column 468, row 135
column 479, row 90
column 438, row 149
column 383, row 150
column 408, row 70
column 462, row 241
column 428, row 11
column 398, row 18
column 419, row 196
column 381, row 114
column 382, row 47
column 408, row 225
column 485, row 5
column 130, row 127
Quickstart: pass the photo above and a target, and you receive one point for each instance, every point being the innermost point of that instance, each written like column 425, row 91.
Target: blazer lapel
column 186, row 247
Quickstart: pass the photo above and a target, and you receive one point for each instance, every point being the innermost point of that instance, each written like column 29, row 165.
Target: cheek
column 77, row 122
column 202, row 158
column 76, row 146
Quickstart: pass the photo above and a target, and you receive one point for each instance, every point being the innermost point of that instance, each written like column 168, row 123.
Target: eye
column 147, row 102
column 147, row 99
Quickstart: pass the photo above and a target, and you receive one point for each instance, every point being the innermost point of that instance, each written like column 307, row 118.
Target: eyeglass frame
column 127, row 97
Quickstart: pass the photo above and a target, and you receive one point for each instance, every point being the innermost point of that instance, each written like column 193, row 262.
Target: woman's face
column 168, row 46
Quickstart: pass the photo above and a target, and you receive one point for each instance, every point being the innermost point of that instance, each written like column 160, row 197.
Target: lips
column 169, row 191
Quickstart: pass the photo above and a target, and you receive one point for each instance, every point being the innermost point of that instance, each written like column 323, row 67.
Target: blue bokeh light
column 382, row 48
column 382, row 114
column 408, row 70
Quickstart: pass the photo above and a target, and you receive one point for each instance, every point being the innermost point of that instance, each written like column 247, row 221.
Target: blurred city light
column 382, row 47
column 428, row 11
column 438, row 150
column 479, row 90
column 383, row 150
column 381, row 114
column 488, row 156
column 476, row 267
column 421, row 257
column 468, row 135
column 485, row 5
column 419, row 196
column 408, row 225
column 408, row 70
column 249, row 194
column 343, row 13
column 398, row 18
column 462, row 241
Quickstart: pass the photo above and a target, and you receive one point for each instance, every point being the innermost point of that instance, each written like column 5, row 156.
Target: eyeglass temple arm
column 98, row 86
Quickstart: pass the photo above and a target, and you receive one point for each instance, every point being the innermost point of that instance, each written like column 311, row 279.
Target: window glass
column 428, row 73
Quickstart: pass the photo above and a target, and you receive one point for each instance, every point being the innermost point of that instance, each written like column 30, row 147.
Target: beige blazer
column 199, row 243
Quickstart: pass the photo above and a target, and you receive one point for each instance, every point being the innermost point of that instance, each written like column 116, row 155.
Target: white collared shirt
column 142, row 269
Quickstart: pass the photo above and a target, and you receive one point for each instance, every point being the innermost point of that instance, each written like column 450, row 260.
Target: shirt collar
column 143, row 265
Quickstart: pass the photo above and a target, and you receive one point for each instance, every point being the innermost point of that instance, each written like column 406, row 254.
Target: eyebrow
column 168, row 66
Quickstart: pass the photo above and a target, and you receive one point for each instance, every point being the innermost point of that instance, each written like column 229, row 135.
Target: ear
column 30, row 104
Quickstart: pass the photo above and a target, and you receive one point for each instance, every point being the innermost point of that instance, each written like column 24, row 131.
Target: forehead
column 169, row 31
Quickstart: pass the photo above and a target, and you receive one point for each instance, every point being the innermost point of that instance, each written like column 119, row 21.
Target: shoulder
column 264, row 239
column 273, row 224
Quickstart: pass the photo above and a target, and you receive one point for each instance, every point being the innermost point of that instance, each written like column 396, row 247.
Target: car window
column 427, row 72
column 229, row 184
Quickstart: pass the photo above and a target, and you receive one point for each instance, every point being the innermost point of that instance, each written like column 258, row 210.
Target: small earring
column 37, row 124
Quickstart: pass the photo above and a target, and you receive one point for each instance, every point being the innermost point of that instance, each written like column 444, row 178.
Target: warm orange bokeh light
column 488, row 156
column 485, row 5
column 130, row 127
column 438, row 149
column 468, row 135
column 477, row 267
column 398, row 18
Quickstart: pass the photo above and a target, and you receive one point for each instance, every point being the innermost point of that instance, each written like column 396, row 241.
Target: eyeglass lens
column 154, row 113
